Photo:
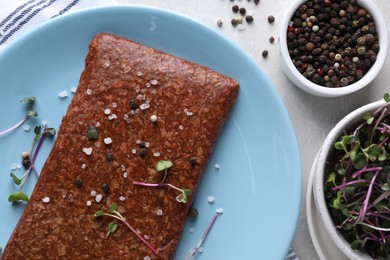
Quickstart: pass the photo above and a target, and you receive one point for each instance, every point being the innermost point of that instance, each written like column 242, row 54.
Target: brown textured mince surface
column 191, row 102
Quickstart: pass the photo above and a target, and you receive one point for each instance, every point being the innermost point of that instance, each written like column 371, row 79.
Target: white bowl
column 299, row 80
column 327, row 147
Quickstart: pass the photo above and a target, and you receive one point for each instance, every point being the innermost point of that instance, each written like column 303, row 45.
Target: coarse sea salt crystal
column 97, row 124
column 83, row 166
column 181, row 127
column 125, row 175
column 147, row 257
column 93, row 193
column 159, row 212
column 44, row 123
column 46, row 200
column 210, row 199
column 217, row 166
column 98, row 198
column 89, row 91
column 134, row 151
column 139, row 73
column 114, row 104
column 156, row 154
column 200, row 250
column 63, row 94
column 26, row 128
column 144, row 106
column 73, row 89
column 88, row 151
column 123, row 168
column 154, row 82
column 18, row 166
column 192, row 230
column 107, row 140
column 89, row 203
column 107, row 111
column 121, row 198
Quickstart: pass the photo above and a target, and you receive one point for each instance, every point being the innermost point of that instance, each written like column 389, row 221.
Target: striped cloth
column 18, row 16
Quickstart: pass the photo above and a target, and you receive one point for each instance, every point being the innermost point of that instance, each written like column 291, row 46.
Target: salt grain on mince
column 134, row 151
column 144, row 106
column 83, row 166
column 89, row 203
column 46, row 200
column 107, row 111
column 107, row 140
column 87, row 151
column 139, row 73
column 89, row 91
column 125, row 175
column 159, row 212
column 97, row 124
column 156, row 154
column 98, row 197
column 93, row 193
column 114, row 104
column 121, row 198
column 154, row 82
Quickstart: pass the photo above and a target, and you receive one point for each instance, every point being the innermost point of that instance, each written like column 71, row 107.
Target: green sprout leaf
column 15, row 178
column 113, row 207
column 331, row 179
column 28, row 100
column 367, row 116
column 18, row 196
column 386, row 187
column 163, row 165
column 359, row 161
column 342, row 145
column 112, row 227
column 99, row 214
column 356, row 244
column 187, row 192
column 387, row 97
column 37, row 130
column 50, row 132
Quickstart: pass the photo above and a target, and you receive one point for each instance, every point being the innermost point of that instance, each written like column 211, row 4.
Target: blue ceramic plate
column 258, row 184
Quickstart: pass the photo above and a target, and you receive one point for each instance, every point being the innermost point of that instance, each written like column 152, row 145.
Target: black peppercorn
column 271, row 19
column 192, row 161
column 264, row 53
column 193, row 213
column 141, row 144
column 257, row 1
column 234, row 22
column 78, row 182
column 249, row 18
column 142, row 151
column 242, row 10
column 26, row 163
column 105, row 188
column 133, row 104
column 109, row 156
column 235, row 8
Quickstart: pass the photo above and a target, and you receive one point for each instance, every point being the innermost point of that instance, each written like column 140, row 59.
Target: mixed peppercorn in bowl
column 331, row 48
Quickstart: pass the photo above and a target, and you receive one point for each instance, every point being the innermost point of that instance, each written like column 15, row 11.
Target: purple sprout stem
column 365, row 203
column 121, row 218
column 193, row 252
column 365, row 169
column 15, row 126
column 341, row 186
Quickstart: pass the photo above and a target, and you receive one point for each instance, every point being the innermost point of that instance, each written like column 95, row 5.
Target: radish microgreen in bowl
column 357, row 182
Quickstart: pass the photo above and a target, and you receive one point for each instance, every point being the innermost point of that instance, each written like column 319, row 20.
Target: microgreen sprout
column 30, row 112
column 112, row 226
column 357, row 185
column 165, row 165
column 193, row 252
column 34, row 149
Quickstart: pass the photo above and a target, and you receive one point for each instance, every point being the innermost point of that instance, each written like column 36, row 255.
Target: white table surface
column 312, row 116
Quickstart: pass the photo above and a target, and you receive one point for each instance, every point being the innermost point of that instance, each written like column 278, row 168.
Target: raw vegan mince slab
column 134, row 107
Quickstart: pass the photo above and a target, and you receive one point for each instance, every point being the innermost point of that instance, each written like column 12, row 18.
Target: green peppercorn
column 361, row 50
column 92, row 133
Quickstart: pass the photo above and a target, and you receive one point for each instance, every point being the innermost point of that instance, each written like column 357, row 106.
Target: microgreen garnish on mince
column 112, row 226
column 357, row 186
column 28, row 161
column 29, row 101
column 164, row 166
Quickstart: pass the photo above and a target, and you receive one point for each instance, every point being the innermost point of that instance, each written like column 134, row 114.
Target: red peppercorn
column 290, row 29
column 320, row 72
column 328, row 2
column 342, row 67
